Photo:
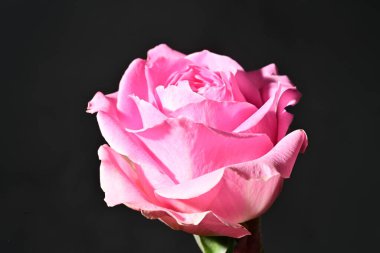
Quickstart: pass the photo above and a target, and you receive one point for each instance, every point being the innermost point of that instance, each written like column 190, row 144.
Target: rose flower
column 197, row 142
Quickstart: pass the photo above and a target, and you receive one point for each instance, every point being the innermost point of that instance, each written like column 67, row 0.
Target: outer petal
column 125, row 143
column 260, row 85
column 214, row 61
column 289, row 97
column 190, row 149
column 274, row 89
column 144, row 112
column 272, row 117
column 118, row 179
column 134, row 83
column 101, row 102
column 138, row 114
column 107, row 103
column 142, row 77
column 203, row 223
column 112, row 125
column 120, row 182
column 267, row 78
column 239, row 192
column 264, row 120
column 163, row 51
column 162, row 63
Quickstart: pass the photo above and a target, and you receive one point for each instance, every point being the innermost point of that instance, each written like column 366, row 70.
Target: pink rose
column 197, row 142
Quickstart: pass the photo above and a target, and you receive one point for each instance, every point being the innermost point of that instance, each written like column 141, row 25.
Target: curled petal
column 260, row 85
column 272, row 118
column 214, row 61
column 163, row 51
column 148, row 115
column 137, row 115
column 107, row 104
column 242, row 191
column 284, row 154
column 134, row 83
column 268, row 79
column 264, row 120
column 289, row 97
column 100, row 102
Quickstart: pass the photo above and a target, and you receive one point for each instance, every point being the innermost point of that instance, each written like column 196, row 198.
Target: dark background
column 57, row 54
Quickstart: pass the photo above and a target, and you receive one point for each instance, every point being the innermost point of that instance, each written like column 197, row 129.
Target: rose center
column 200, row 79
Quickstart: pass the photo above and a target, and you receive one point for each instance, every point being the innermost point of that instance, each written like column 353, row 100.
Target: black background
column 57, row 54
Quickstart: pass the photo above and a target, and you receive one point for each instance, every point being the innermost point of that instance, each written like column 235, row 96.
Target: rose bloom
column 197, row 142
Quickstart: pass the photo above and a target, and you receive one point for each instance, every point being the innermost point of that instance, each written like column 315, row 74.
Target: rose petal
column 289, row 97
column 214, row 61
column 118, row 179
column 192, row 189
column 272, row 118
column 239, row 192
column 100, row 102
column 249, row 89
column 204, row 223
column 138, row 114
column 127, row 144
column 162, row 62
column 230, row 114
column 133, row 82
column 190, row 149
column 146, row 112
column 107, row 104
column 232, row 86
column 264, row 120
column 236, row 193
column 260, row 85
column 112, row 125
column 268, row 78
column 120, row 184
column 284, row 154
column 174, row 97
column 163, row 51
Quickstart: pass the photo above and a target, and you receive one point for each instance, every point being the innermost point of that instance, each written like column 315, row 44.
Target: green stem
column 215, row 244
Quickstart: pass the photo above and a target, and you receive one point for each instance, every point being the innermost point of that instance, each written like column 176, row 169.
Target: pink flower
column 197, row 142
